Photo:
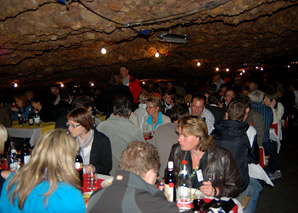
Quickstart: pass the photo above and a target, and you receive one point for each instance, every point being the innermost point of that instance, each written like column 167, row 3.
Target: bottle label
column 169, row 189
column 184, row 204
column 78, row 166
column 31, row 121
column 26, row 159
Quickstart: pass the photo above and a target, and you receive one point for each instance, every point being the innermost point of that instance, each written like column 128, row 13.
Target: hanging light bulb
column 15, row 85
column 103, row 50
column 157, row 54
column 199, row 64
column 217, row 69
column 262, row 68
column 243, row 71
column 257, row 67
column 92, row 84
column 289, row 66
column 228, row 70
column 62, row 85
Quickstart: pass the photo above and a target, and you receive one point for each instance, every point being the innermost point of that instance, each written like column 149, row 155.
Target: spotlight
column 257, row 67
column 157, row 54
column 289, row 66
column 262, row 69
column 15, row 85
column 217, row 69
column 199, row 64
column 243, row 71
column 92, row 84
column 228, row 70
column 103, row 50
column 61, row 85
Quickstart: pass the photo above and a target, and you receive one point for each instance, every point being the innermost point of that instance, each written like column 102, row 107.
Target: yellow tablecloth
column 26, row 131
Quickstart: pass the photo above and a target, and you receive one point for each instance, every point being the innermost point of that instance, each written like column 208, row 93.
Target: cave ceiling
column 47, row 41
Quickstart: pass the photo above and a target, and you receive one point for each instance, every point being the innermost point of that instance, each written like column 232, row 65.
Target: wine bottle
column 25, row 155
column 30, row 117
column 79, row 167
column 170, row 182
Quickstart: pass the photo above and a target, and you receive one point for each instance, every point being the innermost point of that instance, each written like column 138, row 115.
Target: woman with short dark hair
column 95, row 147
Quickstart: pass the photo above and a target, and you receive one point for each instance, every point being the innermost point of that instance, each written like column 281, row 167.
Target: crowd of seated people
column 217, row 126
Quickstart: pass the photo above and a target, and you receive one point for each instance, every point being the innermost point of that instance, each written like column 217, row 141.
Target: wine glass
column 91, row 180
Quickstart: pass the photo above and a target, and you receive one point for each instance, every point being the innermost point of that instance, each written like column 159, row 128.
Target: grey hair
column 256, row 96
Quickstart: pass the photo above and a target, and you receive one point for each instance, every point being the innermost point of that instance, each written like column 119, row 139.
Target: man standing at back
column 131, row 82
column 119, row 129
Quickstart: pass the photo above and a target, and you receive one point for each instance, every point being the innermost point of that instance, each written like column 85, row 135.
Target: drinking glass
column 91, row 180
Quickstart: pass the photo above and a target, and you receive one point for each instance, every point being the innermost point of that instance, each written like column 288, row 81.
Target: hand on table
column 89, row 168
column 207, row 189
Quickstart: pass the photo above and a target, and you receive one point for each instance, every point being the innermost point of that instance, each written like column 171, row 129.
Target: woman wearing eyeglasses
column 95, row 147
column 155, row 118
column 212, row 168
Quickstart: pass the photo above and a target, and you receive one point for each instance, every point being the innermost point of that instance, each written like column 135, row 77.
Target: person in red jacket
column 131, row 82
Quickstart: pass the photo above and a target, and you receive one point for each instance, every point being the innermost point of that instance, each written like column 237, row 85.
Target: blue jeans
column 253, row 191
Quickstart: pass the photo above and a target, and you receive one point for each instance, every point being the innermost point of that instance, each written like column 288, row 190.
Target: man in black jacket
column 234, row 135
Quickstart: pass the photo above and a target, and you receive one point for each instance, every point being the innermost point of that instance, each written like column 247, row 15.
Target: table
column 87, row 192
column 33, row 132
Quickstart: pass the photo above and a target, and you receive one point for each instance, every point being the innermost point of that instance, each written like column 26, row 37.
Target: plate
column 107, row 182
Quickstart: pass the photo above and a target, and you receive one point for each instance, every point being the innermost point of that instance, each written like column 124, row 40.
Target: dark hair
column 122, row 106
column 83, row 117
column 81, row 102
column 177, row 111
column 37, row 99
column 271, row 95
column 243, row 99
column 199, row 96
column 213, row 99
column 123, row 65
column 236, row 111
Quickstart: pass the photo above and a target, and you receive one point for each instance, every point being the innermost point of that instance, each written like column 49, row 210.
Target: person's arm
column 101, row 154
column 5, row 174
column 231, row 187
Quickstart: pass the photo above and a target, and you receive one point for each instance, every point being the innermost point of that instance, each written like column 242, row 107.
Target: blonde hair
column 52, row 160
column 3, row 137
column 155, row 101
column 195, row 125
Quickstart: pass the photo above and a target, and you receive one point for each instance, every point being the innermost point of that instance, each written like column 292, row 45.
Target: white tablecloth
column 32, row 133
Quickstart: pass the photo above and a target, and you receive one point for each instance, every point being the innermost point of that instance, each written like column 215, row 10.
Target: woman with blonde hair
column 49, row 182
column 155, row 118
column 213, row 169
column 3, row 138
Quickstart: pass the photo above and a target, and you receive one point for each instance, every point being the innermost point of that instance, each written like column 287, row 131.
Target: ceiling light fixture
column 157, row 54
column 228, row 70
column 103, row 50
column 199, row 64
column 15, row 85
column 92, row 84
column 62, row 85
column 217, row 69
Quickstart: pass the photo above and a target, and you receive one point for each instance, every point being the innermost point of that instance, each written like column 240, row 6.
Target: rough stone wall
column 43, row 41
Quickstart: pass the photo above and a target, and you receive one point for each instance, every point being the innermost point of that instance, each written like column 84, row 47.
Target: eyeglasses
column 72, row 125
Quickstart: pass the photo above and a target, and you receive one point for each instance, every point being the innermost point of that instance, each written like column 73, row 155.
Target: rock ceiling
column 43, row 42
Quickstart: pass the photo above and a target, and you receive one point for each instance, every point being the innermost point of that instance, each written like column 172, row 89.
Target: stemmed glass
column 91, row 180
